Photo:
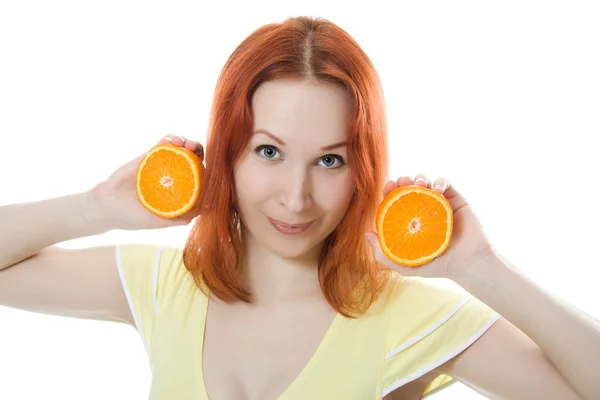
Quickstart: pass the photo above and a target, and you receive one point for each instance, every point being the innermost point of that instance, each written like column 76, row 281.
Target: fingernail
column 437, row 185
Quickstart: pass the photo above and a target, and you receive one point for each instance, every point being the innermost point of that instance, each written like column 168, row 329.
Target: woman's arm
column 560, row 348
column 27, row 228
column 36, row 275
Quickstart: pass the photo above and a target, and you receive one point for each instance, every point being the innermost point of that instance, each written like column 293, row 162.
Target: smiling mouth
column 289, row 228
column 289, row 225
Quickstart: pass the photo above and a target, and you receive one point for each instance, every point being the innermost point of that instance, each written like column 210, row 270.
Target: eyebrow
column 282, row 143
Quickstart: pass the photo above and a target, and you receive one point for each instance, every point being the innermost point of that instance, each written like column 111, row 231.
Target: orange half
column 414, row 225
column 168, row 180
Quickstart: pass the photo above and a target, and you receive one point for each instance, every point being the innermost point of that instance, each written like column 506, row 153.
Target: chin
column 288, row 246
column 291, row 247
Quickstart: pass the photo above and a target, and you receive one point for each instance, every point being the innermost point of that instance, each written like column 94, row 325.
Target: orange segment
column 414, row 225
column 168, row 180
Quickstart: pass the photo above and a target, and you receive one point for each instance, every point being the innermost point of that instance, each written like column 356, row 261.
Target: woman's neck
column 272, row 279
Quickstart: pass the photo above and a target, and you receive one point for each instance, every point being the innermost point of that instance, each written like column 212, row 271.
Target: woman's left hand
column 468, row 245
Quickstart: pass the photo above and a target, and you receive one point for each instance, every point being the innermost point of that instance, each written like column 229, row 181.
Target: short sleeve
column 148, row 274
column 431, row 321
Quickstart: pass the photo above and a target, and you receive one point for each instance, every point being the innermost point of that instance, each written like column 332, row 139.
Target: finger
column 421, row 180
column 404, row 180
column 450, row 191
column 378, row 254
column 200, row 150
column 165, row 140
column 191, row 145
column 177, row 140
column 196, row 147
column 376, row 248
column 389, row 186
column 440, row 185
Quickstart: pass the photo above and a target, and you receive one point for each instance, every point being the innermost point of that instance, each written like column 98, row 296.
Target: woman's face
column 293, row 185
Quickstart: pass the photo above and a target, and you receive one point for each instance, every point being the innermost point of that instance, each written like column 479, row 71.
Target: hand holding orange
column 168, row 179
column 414, row 225
column 117, row 197
column 428, row 225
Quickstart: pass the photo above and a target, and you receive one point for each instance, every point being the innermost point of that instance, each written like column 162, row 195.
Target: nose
column 296, row 195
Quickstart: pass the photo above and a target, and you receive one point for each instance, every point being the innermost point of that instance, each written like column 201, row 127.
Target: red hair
column 302, row 48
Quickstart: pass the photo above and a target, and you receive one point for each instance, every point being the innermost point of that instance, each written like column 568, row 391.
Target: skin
column 546, row 350
column 292, row 184
column 285, row 175
column 288, row 182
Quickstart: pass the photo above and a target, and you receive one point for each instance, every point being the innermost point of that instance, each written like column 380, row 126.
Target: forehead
column 302, row 109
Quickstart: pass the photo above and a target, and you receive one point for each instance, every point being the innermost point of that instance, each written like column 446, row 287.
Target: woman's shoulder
column 142, row 248
column 426, row 292
column 141, row 255
column 420, row 307
column 155, row 265
column 430, row 321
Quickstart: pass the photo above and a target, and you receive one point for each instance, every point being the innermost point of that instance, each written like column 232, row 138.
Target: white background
column 501, row 97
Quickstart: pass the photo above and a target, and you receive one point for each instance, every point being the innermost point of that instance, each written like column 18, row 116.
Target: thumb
column 378, row 254
column 136, row 161
column 132, row 166
column 373, row 241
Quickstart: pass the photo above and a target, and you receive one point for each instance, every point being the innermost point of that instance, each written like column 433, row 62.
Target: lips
column 289, row 225
column 289, row 229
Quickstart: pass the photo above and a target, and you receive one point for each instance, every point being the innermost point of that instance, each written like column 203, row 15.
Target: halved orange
column 168, row 180
column 414, row 225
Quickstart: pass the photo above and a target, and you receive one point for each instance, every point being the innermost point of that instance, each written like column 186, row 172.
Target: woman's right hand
column 117, row 200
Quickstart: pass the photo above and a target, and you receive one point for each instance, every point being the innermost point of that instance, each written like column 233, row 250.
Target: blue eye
column 267, row 151
column 330, row 159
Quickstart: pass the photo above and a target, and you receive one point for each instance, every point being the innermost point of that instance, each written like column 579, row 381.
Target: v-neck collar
column 305, row 370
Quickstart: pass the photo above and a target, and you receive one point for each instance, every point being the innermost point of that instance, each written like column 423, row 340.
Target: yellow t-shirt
column 417, row 325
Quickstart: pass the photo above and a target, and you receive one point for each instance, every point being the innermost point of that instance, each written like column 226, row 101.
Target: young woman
column 282, row 290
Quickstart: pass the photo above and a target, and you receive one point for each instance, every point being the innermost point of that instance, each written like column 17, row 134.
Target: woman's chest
column 261, row 354
column 263, row 358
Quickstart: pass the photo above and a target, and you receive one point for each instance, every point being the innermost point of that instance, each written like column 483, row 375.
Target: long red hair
column 303, row 48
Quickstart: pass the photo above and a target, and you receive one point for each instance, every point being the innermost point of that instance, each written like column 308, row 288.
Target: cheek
column 336, row 193
column 251, row 183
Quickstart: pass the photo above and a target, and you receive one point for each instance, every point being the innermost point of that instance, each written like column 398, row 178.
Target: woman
column 281, row 290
